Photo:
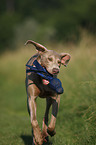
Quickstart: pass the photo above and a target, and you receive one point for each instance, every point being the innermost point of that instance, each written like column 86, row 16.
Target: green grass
column 76, row 120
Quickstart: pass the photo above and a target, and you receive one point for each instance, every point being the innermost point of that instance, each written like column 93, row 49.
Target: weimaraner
column 38, row 85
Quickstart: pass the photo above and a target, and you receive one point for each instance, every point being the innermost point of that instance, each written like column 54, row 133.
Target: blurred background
column 64, row 26
column 45, row 21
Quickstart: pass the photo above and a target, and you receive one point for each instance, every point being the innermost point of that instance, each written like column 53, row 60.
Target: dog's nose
column 55, row 70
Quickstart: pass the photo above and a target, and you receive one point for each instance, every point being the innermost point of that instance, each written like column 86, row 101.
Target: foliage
column 7, row 22
column 76, row 120
column 65, row 18
column 31, row 29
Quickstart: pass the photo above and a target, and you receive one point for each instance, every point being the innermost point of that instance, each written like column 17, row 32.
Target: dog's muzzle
column 55, row 71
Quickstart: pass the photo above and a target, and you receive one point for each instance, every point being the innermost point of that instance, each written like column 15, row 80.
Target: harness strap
column 39, row 70
column 54, row 83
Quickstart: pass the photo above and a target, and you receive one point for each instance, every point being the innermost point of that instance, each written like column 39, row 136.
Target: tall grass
column 76, row 120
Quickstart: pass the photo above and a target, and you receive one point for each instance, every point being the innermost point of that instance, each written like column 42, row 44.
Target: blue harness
column 54, row 83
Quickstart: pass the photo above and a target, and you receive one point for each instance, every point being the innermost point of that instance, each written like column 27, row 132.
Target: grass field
column 76, row 120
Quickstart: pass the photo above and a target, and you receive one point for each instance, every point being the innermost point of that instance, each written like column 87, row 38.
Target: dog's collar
column 54, row 83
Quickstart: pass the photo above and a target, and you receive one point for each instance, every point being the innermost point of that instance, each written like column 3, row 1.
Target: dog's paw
column 38, row 135
column 51, row 132
column 45, row 138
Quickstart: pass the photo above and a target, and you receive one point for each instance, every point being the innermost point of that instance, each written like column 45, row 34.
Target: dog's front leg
column 32, row 106
column 45, row 120
column 55, row 107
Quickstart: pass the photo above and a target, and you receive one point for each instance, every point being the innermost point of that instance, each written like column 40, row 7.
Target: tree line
column 66, row 18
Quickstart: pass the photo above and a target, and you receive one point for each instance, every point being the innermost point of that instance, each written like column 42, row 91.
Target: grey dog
column 38, row 86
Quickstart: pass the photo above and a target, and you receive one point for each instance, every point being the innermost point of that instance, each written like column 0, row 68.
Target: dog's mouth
column 55, row 71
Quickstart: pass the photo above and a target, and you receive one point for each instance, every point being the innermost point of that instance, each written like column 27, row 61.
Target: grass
column 76, row 120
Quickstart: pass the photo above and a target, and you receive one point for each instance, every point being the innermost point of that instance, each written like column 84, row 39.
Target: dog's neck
column 39, row 59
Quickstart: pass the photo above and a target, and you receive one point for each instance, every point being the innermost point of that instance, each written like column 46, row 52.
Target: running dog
column 41, row 80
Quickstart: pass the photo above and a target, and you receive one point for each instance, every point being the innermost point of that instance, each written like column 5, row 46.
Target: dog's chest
column 45, row 90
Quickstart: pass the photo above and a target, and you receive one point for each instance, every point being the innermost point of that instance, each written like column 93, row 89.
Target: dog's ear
column 65, row 57
column 38, row 46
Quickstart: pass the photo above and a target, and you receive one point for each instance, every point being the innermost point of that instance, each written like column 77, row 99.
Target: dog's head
column 50, row 59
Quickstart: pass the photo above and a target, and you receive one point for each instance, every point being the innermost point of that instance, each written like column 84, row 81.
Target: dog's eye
column 50, row 58
column 59, row 62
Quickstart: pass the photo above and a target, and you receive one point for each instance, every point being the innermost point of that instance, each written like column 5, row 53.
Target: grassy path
column 76, row 121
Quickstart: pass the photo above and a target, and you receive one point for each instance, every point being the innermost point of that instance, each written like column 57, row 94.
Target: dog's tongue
column 45, row 82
